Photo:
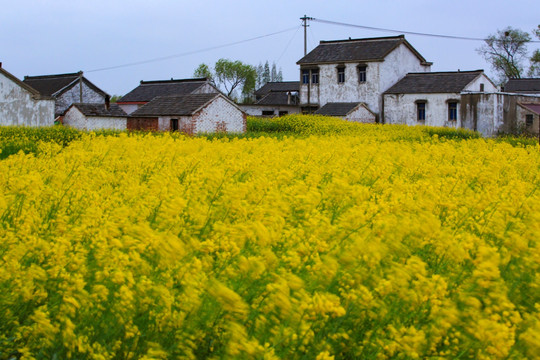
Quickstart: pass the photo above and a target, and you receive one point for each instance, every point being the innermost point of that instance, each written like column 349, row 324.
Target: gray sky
column 40, row 37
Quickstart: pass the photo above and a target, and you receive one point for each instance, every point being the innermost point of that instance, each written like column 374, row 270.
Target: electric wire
column 190, row 52
column 403, row 32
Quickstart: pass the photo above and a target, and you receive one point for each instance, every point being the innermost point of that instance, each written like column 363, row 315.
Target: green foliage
column 506, row 51
column 230, row 76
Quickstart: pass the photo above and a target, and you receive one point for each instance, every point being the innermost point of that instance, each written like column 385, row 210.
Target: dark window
column 174, row 124
column 341, row 74
column 305, row 76
column 481, row 87
column 528, row 120
column 421, row 111
column 268, row 112
column 315, row 76
column 452, row 111
column 362, row 73
column 281, row 113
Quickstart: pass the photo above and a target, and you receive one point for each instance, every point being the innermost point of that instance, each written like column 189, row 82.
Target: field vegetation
column 306, row 238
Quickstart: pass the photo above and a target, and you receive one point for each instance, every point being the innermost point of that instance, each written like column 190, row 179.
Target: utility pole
column 305, row 25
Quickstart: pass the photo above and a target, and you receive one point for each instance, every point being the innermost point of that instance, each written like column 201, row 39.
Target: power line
column 191, row 52
column 404, row 32
column 288, row 44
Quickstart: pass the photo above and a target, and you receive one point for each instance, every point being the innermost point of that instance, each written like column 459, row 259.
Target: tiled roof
column 176, row 105
column 337, row 109
column 149, row 90
column 100, row 110
column 535, row 108
column 278, row 98
column 355, row 50
column 434, row 82
column 278, row 86
column 54, row 85
column 531, row 85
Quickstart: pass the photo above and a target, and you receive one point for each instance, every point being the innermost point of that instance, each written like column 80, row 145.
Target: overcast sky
column 40, row 37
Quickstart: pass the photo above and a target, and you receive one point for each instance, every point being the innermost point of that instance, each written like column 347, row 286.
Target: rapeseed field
column 330, row 241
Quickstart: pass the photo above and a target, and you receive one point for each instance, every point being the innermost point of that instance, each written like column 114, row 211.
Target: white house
column 67, row 89
column 433, row 98
column 191, row 114
column 356, row 70
column 275, row 99
column 149, row 90
column 357, row 112
column 22, row 105
column 95, row 117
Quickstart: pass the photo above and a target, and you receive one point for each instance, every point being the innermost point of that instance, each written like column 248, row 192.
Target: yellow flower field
column 359, row 245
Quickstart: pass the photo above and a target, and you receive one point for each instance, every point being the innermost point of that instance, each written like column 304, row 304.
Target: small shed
column 352, row 111
column 95, row 117
column 191, row 114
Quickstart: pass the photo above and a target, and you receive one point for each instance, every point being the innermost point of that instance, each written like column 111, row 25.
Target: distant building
column 149, row 90
column 356, row 70
column 191, row 114
column 95, row 117
column 275, row 99
column 22, row 105
column 522, row 86
column 434, row 99
column 357, row 112
column 67, row 89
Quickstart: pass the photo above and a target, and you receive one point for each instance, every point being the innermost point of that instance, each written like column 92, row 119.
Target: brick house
column 357, row 112
column 67, row 89
column 356, row 70
column 22, row 105
column 148, row 90
column 191, row 114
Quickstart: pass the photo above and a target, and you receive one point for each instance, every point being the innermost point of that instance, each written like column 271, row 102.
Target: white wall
column 74, row 118
column 256, row 110
column 401, row 109
column 129, row 108
column 361, row 115
column 482, row 79
column 220, row 111
column 19, row 108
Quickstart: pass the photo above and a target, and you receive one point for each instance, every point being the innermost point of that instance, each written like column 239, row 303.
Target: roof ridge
column 172, row 81
column 384, row 38
column 44, row 77
column 445, row 72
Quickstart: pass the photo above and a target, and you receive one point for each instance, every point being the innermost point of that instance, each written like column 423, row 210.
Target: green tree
column 229, row 76
column 266, row 73
column 506, row 51
column 534, row 69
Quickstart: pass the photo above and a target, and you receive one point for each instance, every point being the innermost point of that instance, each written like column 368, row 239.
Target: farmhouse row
column 383, row 80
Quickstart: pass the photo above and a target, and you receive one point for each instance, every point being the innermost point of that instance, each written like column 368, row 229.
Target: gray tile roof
column 176, row 105
column 55, row 85
column 434, row 82
column 278, row 86
column 100, row 110
column 278, row 98
column 356, row 50
column 530, row 85
column 148, row 90
column 337, row 109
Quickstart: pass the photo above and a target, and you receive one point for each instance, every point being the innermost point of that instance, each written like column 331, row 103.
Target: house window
column 452, row 111
column 268, row 113
column 174, row 124
column 315, row 76
column 305, row 76
column 341, row 74
column 482, row 87
column 421, row 111
column 362, row 73
column 528, row 119
column 282, row 113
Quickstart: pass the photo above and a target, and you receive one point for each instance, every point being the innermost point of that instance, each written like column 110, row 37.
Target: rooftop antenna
column 305, row 25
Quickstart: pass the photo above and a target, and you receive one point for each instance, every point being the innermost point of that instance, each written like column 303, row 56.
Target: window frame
column 527, row 121
column 305, row 76
column 421, row 106
column 314, row 76
column 340, row 74
column 362, row 73
column 174, row 124
column 452, row 110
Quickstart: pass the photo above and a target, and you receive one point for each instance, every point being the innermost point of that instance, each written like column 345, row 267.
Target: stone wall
column 74, row 118
column 73, row 95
